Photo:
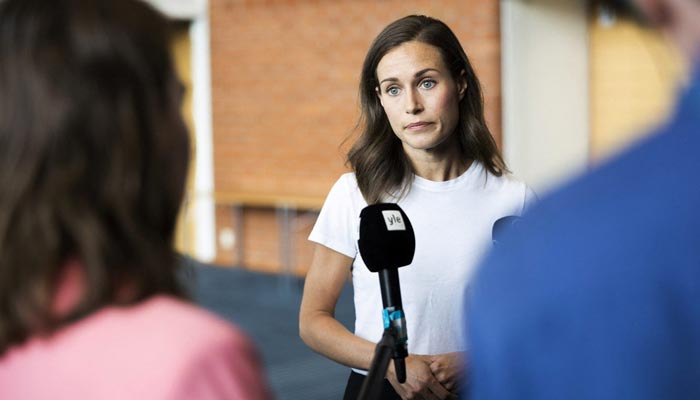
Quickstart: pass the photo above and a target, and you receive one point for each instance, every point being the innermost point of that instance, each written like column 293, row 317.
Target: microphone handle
column 400, row 368
column 391, row 299
column 391, row 291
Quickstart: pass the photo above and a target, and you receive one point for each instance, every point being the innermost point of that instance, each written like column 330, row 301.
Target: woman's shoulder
column 184, row 319
column 160, row 323
column 346, row 187
column 127, row 343
column 508, row 185
column 348, row 179
column 505, row 181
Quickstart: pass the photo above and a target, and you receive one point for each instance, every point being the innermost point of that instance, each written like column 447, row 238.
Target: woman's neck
column 438, row 166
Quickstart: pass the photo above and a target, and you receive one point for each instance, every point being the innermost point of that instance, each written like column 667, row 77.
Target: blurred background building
column 272, row 105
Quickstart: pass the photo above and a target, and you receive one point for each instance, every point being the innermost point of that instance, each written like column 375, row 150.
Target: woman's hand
column 420, row 383
column 448, row 369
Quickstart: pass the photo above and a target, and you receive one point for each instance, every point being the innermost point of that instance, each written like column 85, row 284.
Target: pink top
column 162, row 348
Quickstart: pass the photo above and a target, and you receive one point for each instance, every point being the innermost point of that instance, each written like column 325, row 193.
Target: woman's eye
column 393, row 91
column 427, row 84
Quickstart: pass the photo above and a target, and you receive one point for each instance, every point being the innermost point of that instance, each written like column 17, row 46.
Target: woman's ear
column 462, row 84
column 379, row 95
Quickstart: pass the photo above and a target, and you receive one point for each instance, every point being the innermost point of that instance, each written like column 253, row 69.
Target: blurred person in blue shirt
column 596, row 293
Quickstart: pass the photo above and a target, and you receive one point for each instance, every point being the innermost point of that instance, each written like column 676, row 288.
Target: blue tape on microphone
column 396, row 319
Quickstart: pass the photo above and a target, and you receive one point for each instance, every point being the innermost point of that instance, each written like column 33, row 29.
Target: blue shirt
column 596, row 293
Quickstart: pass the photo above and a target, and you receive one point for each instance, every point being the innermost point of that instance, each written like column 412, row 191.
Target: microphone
column 386, row 243
column 501, row 225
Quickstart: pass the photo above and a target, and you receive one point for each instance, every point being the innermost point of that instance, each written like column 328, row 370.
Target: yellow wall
column 182, row 56
column 634, row 77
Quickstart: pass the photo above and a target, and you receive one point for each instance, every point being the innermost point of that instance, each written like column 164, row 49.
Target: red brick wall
column 284, row 85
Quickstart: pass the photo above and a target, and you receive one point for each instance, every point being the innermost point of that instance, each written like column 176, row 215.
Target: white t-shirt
column 452, row 221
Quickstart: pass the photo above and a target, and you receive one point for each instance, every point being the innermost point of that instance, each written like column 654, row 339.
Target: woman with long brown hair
column 426, row 146
column 93, row 160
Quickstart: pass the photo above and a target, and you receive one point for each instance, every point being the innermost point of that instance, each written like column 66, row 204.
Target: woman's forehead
column 409, row 58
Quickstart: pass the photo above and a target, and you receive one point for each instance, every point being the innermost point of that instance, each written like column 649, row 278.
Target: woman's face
column 419, row 96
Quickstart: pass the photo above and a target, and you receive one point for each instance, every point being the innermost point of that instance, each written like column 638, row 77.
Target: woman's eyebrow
column 417, row 74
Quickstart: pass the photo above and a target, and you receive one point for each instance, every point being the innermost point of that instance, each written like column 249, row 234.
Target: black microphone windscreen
column 386, row 237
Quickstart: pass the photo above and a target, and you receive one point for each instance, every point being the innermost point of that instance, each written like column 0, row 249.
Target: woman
column 93, row 160
column 425, row 145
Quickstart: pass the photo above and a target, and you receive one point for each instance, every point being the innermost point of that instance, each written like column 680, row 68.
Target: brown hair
column 377, row 157
column 93, row 157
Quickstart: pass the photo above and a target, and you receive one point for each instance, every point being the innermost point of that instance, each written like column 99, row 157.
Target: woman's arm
column 318, row 327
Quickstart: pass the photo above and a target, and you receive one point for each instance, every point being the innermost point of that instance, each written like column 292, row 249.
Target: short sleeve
column 337, row 223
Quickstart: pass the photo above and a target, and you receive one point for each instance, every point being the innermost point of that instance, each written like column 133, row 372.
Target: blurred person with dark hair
column 93, row 160
column 596, row 293
column 426, row 146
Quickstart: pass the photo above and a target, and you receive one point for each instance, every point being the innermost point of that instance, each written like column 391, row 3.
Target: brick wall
column 284, row 86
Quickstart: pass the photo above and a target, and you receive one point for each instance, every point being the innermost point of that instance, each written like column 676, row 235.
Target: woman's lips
column 416, row 126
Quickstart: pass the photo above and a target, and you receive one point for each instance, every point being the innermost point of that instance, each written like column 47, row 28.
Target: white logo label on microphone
column 393, row 220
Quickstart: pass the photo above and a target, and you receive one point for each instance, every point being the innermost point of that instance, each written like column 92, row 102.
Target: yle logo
column 393, row 220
